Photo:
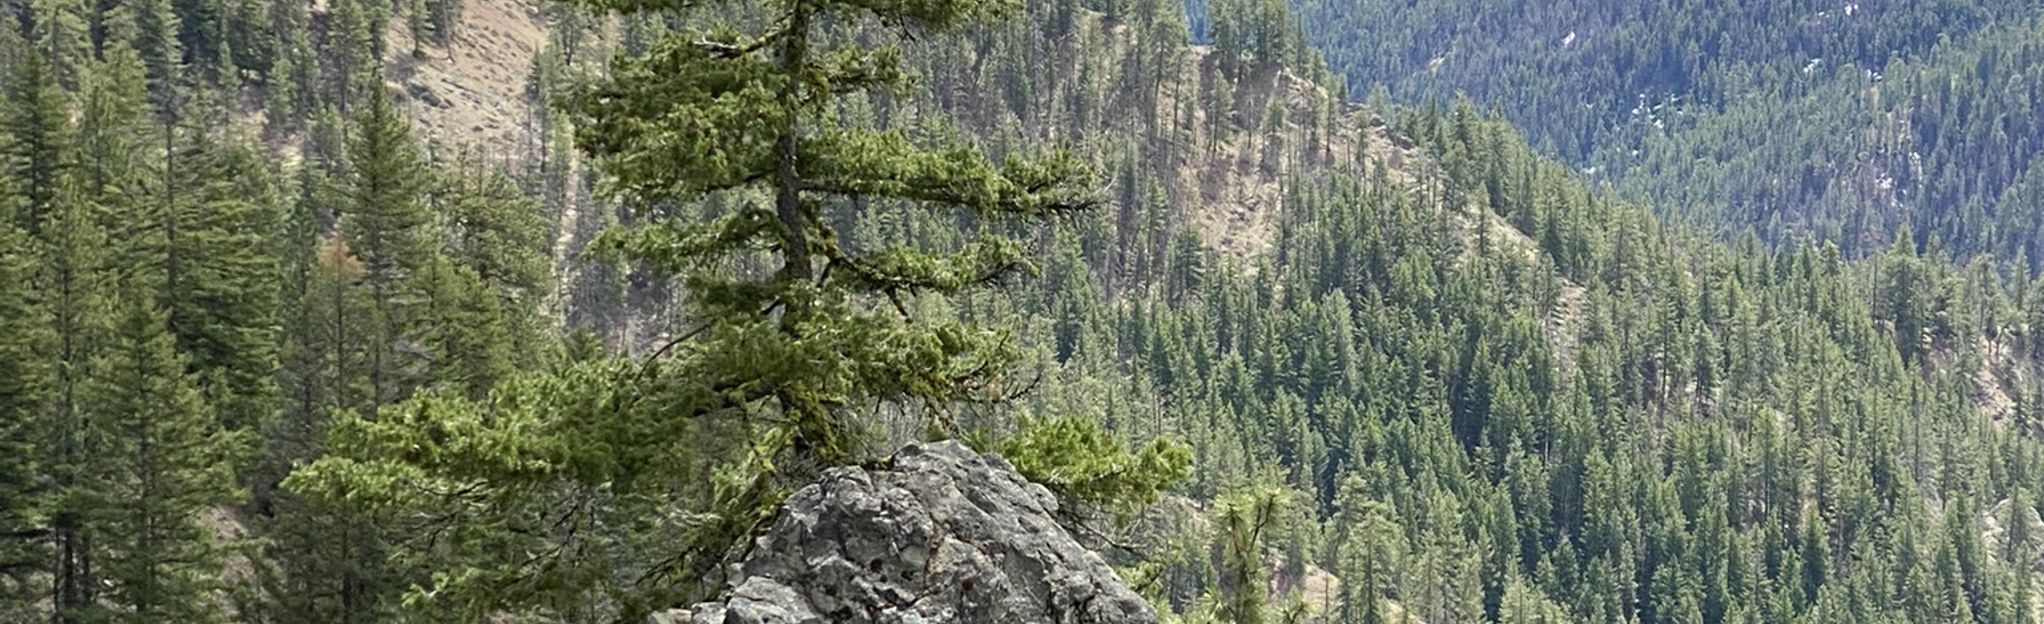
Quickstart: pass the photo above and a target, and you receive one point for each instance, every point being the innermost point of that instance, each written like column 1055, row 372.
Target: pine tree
column 329, row 557
column 60, row 32
column 49, row 309
column 72, row 292
column 290, row 88
column 354, row 52
column 500, row 235
column 1903, row 298
column 1225, row 28
column 1369, row 557
column 322, row 316
column 792, row 319
column 421, row 29
column 1242, row 521
column 218, row 269
column 1220, row 113
column 114, row 142
column 466, row 330
column 667, row 132
column 386, row 225
column 386, row 217
column 26, row 379
column 151, row 27
column 202, row 34
column 444, row 16
column 46, row 199
column 165, row 463
column 1816, row 560
column 254, row 48
column 38, row 141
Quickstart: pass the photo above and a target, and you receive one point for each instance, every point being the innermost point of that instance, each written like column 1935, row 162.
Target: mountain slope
column 1572, row 72
column 1847, row 122
column 1401, row 348
column 1944, row 146
column 471, row 91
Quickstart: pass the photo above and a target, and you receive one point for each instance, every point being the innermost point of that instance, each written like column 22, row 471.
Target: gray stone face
column 943, row 536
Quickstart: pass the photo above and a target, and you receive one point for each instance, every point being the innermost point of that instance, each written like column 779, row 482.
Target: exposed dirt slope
column 471, row 92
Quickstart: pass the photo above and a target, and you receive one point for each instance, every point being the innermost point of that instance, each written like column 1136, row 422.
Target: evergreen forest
column 1426, row 312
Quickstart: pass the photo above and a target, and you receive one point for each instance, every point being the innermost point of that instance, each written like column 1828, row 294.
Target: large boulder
column 942, row 535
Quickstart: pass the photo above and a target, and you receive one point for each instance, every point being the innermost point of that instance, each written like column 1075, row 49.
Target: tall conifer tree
column 165, row 463
column 386, row 226
column 25, row 385
column 725, row 148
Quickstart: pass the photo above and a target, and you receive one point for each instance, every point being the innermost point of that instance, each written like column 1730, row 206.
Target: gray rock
column 943, row 536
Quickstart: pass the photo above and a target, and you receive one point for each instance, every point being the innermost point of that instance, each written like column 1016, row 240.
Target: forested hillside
column 1848, row 122
column 1574, row 72
column 1943, row 145
column 302, row 321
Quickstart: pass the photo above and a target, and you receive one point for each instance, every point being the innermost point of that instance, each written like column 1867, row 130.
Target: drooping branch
column 867, row 164
column 730, row 50
column 901, row 269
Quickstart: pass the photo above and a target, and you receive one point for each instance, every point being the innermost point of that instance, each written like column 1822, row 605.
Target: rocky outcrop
column 942, row 535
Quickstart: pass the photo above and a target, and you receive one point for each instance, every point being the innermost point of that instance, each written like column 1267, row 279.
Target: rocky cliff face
column 943, row 535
